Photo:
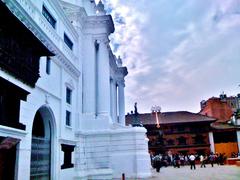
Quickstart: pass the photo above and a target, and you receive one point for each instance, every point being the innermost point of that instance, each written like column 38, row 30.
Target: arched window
column 38, row 126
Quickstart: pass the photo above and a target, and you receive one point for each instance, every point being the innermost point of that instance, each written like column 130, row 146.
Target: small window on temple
column 68, row 42
column 67, row 160
column 170, row 142
column 182, row 140
column 49, row 17
column 48, row 65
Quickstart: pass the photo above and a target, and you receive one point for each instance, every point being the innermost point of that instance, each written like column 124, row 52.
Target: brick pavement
column 208, row 173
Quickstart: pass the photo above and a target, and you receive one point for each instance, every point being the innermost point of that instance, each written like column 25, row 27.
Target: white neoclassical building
column 62, row 95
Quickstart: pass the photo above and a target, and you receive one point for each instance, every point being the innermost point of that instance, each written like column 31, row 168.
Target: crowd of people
column 235, row 155
column 178, row 160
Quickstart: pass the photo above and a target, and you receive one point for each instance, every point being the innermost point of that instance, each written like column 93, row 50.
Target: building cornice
column 12, row 131
column 117, row 72
column 122, row 71
column 94, row 22
column 67, row 141
column 56, row 5
column 25, row 12
column 74, row 13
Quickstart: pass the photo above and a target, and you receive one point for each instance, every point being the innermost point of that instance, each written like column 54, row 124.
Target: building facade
column 62, row 95
column 179, row 132
column 225, row 132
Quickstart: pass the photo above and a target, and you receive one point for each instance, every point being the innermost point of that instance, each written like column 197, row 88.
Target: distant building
column 225, row 131
column 180, row 132
column 221, row 107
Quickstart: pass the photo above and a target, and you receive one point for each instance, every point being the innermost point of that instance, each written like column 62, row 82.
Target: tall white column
column 113, row 100
column 238, row 140
column 103, row 84
column 89, row 78
column 211, row 141
column 111, row 97
column 121, row 102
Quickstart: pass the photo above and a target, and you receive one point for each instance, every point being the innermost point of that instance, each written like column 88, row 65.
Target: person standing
column 182, row 159
column 192, row 161
column 177, row 160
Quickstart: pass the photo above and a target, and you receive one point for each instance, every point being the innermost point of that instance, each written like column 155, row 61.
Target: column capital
column 103, row 39
column 121, row 82
column 112, row 80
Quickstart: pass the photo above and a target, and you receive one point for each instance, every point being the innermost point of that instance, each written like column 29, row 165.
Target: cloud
column 177, row 52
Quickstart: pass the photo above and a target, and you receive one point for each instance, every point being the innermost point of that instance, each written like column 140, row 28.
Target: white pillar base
column 211, row 141
column 109, row 153
column 238, row 140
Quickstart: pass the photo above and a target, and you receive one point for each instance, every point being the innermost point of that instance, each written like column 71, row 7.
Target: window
column 170, row 142
column 180, row 128
column 68, row 42
column 67, row 150
column 184, row 152
column 199, row 139
column 48, row 65
column 68, row 118
column 49, row 17
column 182, row 140
column 68, row 95
column 10, row 97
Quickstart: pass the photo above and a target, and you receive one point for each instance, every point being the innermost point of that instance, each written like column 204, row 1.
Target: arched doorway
column 42, row 133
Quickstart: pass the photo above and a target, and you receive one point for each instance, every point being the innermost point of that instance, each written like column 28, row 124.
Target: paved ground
column 208, row 173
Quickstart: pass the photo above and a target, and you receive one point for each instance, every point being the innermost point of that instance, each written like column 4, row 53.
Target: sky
column 177, row 52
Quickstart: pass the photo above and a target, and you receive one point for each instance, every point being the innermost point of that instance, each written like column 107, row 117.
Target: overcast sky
column 178, row 52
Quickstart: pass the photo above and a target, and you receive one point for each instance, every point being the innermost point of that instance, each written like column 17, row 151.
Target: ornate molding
column 57, row 6
column 70, row 84
column 74, row 13
column 121, row 82
column 94, row 22
column 67, row 141
column 50, row 40
column 123, row 71
column 101, row 39
column 112, row 60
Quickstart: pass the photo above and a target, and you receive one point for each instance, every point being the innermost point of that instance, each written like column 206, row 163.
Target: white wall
column 103, row 149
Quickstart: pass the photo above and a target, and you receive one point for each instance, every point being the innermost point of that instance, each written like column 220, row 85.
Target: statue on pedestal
column 135, row 109
column 136, row 122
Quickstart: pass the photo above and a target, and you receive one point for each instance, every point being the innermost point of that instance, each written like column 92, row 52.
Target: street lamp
column 156, row 109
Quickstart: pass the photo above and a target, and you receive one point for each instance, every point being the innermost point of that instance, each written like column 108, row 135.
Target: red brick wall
column 217, row 109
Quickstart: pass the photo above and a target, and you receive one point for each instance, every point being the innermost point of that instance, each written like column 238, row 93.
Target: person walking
column 211, row 159
column 157, row 162
column 151, row 158
column 203, row 161
column 192, row 161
